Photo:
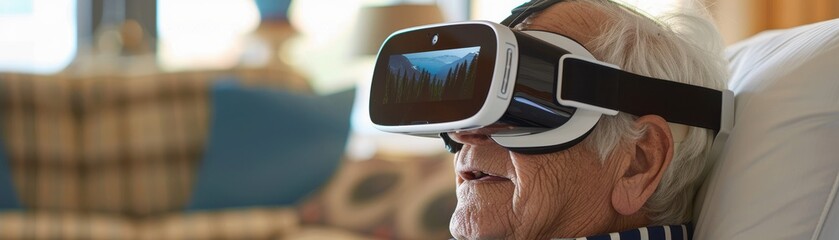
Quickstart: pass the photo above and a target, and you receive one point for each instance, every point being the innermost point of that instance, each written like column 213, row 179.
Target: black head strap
column 520, row 13
column 638, row 95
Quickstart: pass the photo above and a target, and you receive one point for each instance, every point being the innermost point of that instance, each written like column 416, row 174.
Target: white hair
column 683, row 47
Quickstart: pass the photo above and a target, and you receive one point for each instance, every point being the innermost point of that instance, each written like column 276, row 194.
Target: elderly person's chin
column 484, row 210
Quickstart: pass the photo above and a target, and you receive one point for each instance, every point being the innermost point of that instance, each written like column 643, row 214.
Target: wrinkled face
column 502, row 194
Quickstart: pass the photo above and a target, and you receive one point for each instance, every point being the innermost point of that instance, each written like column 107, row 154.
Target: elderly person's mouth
column 478, row 176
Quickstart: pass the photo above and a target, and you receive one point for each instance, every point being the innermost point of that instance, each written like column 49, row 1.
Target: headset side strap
column 605, row 87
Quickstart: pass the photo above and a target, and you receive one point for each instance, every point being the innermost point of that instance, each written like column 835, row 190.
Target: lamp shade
column 376, row 23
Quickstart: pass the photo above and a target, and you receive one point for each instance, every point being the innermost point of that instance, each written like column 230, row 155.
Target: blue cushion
column 269, row 147
column 8, row 197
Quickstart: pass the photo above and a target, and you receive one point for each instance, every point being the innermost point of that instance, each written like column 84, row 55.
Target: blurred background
column 235, row 119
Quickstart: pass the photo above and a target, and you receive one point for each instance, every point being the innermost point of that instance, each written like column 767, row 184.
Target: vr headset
column 538, row 91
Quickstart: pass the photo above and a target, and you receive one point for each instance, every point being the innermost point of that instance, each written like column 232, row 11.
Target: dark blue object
column 269, row 147
column 8, row 197
column 274, row 10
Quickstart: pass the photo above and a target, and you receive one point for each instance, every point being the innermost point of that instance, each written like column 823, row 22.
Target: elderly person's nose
column 472, row 138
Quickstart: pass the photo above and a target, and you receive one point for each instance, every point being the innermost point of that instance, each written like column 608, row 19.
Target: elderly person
column 630, row 174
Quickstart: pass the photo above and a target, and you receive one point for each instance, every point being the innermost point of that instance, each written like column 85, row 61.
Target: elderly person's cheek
column 543, row 185
column 484, row 208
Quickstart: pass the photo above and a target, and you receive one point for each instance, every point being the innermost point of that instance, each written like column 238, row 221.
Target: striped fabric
column 667, row 232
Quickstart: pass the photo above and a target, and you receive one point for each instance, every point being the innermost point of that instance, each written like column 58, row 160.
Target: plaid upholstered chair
column 114, row 157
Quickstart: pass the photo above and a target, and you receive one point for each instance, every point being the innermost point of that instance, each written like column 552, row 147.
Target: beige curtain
column 739, row 19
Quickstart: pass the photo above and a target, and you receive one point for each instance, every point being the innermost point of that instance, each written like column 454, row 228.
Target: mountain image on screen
column 431, row 76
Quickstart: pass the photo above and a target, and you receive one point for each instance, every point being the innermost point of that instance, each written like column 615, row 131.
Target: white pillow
column 778, row 175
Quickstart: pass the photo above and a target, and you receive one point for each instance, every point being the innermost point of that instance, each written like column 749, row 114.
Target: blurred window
column 492, row 10
column 496, row 11
column 199, row 34
column 654, row 7
column 38, row 36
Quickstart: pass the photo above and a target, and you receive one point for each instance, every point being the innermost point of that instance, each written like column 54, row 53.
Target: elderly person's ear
column 642, row 168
